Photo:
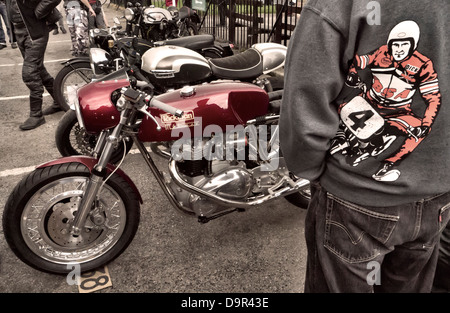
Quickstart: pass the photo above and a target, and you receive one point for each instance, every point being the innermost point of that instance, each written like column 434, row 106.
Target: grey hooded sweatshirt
column 366, row 107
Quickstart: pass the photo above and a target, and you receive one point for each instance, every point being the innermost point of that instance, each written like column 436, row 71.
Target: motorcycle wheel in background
column 73, row 76
column 188, row 28
column 40, row 209
column 71, row 139
column 300, row 199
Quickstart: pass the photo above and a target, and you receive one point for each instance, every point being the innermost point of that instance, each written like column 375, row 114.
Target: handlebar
column 165, row 107
column 141, row 98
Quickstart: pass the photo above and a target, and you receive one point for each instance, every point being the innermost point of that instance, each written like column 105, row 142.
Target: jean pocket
column 356, row 234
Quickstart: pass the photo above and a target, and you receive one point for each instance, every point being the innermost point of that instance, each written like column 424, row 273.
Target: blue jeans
column 352, row 248
column 8, row 27
column 442, row 277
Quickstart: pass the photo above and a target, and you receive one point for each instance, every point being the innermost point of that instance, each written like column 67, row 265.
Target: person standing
column 364, row 117
column 77, row 12
column 32, row 33
column 9, row 30
column 60, row 21
column 223, row 11
column 98, row 20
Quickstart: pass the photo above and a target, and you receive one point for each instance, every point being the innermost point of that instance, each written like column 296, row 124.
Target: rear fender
column 90, row 162
column 76, row 60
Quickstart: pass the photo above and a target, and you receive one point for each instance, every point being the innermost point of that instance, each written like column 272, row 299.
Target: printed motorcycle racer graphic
column 372, row 121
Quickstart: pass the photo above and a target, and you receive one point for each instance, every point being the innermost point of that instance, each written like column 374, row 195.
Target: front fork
column 98, row 173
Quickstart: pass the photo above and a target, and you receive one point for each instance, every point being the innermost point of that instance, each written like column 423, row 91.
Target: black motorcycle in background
column 155, row 24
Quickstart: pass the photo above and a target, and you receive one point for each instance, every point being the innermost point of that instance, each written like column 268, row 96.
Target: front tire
column 69, row 79
column 39, row 211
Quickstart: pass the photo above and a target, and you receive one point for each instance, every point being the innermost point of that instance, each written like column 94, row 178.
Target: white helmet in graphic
column 406, row 30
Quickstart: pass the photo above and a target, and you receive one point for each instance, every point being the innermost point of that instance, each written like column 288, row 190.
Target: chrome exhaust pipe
column 294, row 187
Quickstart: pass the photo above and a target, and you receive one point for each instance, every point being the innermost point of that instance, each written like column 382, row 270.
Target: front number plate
column 361, row 118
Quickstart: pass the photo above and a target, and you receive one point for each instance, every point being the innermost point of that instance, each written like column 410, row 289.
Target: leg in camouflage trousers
column 77, row 23
column 82, row 34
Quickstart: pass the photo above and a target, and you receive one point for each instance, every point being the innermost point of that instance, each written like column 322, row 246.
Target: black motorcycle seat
column 245, row 65
column 196, row 42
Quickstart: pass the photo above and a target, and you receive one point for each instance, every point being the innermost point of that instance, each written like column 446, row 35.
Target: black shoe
column 51, row 110
column 63, row 30
column 52, row 27
column 56, row 32
column 2, row 46
column 32, row 122
column 14, row 45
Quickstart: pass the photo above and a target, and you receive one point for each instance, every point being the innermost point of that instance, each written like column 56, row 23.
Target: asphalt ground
column 261, row 250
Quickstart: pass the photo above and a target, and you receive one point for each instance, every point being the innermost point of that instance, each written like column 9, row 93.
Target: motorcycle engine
column 229, row 180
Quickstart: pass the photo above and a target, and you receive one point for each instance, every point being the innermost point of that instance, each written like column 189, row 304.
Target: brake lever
column 143, row 109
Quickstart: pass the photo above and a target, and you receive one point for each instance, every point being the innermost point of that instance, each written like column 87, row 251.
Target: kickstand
column 206, row 219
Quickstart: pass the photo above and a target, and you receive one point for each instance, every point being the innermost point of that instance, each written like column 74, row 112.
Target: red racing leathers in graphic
column 393, row 87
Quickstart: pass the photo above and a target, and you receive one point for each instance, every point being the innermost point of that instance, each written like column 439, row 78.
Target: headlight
column 93, row 36
column 129, row 14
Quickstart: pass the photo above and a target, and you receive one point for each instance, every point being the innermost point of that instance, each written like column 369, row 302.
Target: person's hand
column 353, row 80
column 421, row 131
column 92, row 12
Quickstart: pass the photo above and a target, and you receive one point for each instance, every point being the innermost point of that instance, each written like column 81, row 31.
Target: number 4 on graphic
column 359, row 119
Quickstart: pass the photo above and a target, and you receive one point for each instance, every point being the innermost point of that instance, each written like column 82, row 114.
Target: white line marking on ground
column 17, row 171
column 24, row 170
column 20, row 97
column 17, row 64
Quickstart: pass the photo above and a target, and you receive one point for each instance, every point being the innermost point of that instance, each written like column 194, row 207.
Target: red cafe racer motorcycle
column 85, row 210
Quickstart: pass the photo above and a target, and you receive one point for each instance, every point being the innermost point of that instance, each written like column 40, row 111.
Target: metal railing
column 243, row 22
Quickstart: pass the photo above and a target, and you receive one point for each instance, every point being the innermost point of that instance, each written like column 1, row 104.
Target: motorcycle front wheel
column 71, row 139
column 38, row 215
column 69, row 79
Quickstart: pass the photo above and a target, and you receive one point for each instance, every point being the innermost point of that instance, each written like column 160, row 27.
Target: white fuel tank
column 274, row 55
column 172, row 65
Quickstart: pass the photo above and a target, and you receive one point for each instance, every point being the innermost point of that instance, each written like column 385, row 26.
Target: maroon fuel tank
column 222, row 104
column 96, row 106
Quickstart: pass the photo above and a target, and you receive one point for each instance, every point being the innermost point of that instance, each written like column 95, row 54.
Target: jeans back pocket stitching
column 392, row 219
column 389, row 217
column 354, row 241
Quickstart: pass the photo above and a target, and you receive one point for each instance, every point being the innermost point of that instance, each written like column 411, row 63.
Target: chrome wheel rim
column 75, row 80
column 47, row 216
